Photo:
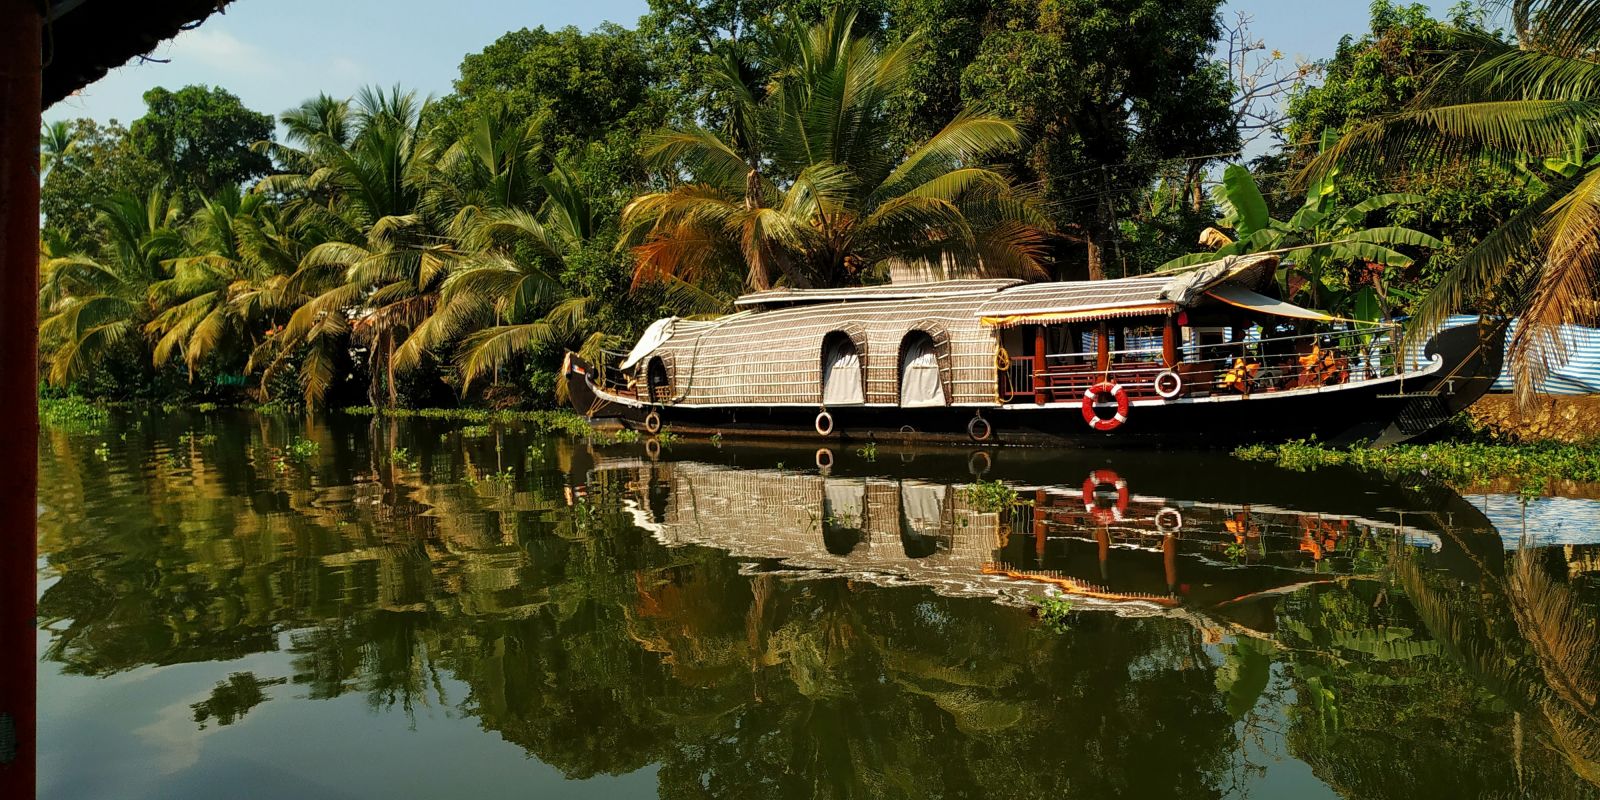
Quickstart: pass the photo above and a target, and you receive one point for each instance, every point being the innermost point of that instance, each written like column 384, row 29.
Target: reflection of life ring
column 1115, row 392
column 1168, row 520
column 652, row 448
column 824, row 458
column 1105, row 477
column 979, row 429
column 652, row 422
column 979, row 463
column 1168, row 384
column 824, row 423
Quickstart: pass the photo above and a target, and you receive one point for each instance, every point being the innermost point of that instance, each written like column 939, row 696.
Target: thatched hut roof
column 85, row 38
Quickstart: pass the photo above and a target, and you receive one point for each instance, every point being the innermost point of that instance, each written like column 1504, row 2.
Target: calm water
column 496, row 614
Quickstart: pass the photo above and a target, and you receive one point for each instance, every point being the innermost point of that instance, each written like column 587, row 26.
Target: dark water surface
column 490, row 613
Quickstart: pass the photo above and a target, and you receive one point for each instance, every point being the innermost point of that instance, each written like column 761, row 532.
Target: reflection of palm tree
column 1531, row 643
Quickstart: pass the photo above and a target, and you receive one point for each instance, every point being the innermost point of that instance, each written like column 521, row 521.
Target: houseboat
column 1207, row 357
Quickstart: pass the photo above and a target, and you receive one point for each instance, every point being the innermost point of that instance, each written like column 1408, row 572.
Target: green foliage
column 1518, row 104
column 1111, row 90
column 538, row 421
column 1382, row 72
column 1462, row 464
column 72, row 414
column 302, row 449
column 991, row 497
column 804, row 187
column 202, row 139
column 1338, row 261
column 590, row 84
column 84, row 163
column 1055, row 613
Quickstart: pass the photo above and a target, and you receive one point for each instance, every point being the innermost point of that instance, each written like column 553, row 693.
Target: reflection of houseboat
column 1206, row 357
column 1100, row 543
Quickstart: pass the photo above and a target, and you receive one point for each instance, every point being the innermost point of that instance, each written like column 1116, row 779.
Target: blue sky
column 276, row 53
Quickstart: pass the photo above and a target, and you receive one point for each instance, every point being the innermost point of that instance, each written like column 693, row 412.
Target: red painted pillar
column 20, row 74
column 1039, row 366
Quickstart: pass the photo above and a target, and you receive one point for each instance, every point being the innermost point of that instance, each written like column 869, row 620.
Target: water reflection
column 728, row 623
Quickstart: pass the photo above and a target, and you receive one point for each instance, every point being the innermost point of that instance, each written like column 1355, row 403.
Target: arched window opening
column 842, row 384
column 920, row 384
column 657, row 380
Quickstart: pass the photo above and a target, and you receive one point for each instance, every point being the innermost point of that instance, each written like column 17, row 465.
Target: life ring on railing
column 824, row 423
column 1113, row 391
column 1097, row 479
column 1168, row 384
column 652, row 422
column 1168, row 520
column 979, row 429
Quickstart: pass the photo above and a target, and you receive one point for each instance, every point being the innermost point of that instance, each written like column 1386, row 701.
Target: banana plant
column 1332, row 257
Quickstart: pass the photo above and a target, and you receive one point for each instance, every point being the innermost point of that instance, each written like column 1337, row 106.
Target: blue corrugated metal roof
column 1581, row 373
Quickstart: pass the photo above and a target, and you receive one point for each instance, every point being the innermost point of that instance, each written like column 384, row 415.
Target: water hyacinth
column 1462, row 464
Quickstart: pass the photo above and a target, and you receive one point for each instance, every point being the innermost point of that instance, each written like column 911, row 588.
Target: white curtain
column 923, row 507
column 919, row 375
column 841, row 375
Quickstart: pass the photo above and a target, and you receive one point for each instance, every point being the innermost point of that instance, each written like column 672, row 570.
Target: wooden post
column 21, row 73
column 1039, row 365
column 1039, row 525
column 1102, row 540
column 1169, row 343
column 1169, row 561
column 1103, row 348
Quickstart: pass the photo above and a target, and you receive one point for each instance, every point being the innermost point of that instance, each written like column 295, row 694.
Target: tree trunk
column 20, row 99
column 388, row 366
column 374, row 375
column 1099, row 236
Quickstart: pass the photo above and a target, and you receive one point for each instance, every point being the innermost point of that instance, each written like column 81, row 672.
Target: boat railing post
column 1039, row 365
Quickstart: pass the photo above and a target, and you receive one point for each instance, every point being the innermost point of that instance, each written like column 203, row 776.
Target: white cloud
column 222, row 51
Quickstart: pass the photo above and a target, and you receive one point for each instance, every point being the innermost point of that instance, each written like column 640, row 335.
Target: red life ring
column 1115, row 392
column 1097, row 479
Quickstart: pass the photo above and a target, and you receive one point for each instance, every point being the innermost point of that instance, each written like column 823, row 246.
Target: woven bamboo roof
column 893, row 291
column 1125, row 296
column 1055, row 298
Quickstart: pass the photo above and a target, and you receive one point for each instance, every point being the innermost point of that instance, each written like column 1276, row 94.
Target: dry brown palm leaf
column 1557, row 631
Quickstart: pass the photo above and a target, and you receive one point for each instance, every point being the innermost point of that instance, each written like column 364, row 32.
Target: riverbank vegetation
column 398, row 251
column 1530, row 469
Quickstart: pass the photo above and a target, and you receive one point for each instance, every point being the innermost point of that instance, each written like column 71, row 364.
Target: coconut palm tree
column 58, row 143
column 92, row 304
column 804, row 187
column 1501, row 101
column 228, row 291
column 505, row 300
column 379, row 276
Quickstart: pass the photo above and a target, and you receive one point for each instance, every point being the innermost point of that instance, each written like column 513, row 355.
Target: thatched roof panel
column 84, row 39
